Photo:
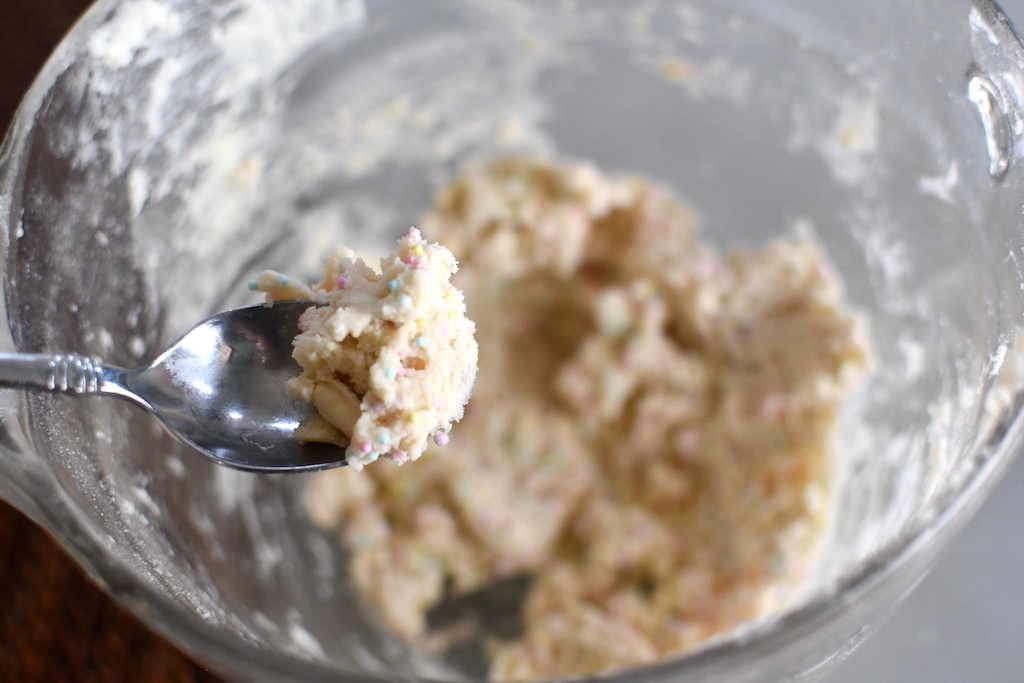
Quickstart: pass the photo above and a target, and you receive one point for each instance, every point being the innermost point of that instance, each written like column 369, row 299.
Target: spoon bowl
column 220, row 389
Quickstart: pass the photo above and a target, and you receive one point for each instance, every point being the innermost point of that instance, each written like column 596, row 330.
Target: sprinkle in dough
column 388, row 356
column 648, row 440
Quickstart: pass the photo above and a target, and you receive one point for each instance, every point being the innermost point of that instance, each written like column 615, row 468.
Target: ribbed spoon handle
column 65, row 372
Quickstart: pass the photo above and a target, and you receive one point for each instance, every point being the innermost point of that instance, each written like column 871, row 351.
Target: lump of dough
column 650, row 440
column 388, row 355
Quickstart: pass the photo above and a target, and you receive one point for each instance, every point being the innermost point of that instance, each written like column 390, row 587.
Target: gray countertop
column 965, row 622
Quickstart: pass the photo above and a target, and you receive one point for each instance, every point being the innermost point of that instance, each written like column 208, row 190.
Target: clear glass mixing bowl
column 171, row 148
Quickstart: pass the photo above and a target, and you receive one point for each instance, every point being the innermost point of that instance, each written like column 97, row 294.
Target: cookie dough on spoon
column 388, row 356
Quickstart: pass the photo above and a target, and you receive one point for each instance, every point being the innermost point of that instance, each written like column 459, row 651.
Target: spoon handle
column 66, row 372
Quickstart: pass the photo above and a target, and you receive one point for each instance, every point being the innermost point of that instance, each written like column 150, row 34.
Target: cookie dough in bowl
column 649, row 439
column 388, row 356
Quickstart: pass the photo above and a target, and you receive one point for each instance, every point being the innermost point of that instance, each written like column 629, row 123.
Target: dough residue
column 649, row 437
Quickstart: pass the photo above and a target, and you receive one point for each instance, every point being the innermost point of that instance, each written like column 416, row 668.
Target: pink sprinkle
column 441, row 439
column 420, row 263
column 409, row 259
column 414, row 233
column 399, row 457
column 366, row 447
column 342, row 281
column 773, row 407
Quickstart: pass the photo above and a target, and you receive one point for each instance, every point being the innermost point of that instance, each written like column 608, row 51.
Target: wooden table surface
column 55, row 625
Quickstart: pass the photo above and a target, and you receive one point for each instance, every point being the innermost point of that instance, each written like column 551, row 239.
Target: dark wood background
column 55, row 625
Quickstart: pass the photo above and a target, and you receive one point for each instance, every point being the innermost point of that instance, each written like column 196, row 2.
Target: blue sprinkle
column 253, row 285
column 420, row 341
column 390, row 373
column 393, row 285
column 371, row 457
column 282, row 280
column 384, row 437
column 405, row 301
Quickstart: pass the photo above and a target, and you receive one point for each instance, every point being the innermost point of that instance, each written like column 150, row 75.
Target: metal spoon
column 219, row 389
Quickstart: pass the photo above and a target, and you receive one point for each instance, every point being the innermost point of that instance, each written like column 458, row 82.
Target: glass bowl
column 172, row 148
